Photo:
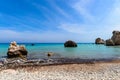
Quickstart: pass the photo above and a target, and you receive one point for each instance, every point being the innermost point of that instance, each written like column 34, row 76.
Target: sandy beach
column 97, row 71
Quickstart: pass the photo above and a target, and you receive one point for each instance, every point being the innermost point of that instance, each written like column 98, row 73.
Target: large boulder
column 116, row 37
column 15, row 50
column 99, row 41
column 70, row 43
column 109, row 42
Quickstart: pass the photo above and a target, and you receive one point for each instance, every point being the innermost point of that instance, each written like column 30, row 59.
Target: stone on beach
column 99, row 41
column 9, row 71
column 16, row 50
column 70, row 43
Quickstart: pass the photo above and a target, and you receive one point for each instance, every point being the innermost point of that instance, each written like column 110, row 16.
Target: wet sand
column 96, row 71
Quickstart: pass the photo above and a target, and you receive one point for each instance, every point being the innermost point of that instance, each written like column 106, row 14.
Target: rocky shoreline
column 7, row 63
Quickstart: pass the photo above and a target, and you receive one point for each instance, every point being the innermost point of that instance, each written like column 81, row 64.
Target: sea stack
column 70, row 43
column 99, row 41
column 15, row 50
column 109, row 42
column 115, row 39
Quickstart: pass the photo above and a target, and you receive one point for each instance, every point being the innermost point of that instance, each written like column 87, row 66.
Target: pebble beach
column 97, row 71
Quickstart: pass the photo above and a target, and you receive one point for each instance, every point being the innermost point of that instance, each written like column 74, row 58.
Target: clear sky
column 58, row 20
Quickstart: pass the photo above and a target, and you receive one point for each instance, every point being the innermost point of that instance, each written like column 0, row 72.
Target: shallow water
column 84, row 50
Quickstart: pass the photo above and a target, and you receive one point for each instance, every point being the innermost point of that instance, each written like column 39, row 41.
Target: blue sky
column 58, row 20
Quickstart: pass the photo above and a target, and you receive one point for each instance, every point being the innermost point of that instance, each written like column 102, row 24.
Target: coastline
column 7, row 63
column 15, row 63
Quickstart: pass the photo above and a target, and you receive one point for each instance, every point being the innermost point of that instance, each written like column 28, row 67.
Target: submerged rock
column 49, row 54
column 99, row 41
column 15, row 50
column 32, row 44
column 109, row 42
column 70, row 44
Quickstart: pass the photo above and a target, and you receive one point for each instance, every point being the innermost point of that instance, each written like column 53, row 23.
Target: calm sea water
column 86, row 50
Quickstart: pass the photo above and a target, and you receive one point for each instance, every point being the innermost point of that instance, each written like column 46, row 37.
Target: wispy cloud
column 111, row 20
column 45, row 10
column 81, row 7
column 51, row 16
column 59, row 9
column 113, row 16
column 78, row 20
column 74, row 28
column 20, row 23
column 30, row 36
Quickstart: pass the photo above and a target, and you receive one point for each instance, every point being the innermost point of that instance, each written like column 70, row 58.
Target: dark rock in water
column 70, row 44
column 109, row 42
column 49, row 54
column 16, row 51
column 116, row 37
column 32, row 44
column 99, row 41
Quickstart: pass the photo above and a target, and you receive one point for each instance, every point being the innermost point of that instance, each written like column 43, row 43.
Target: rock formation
column 99, row 41
column 70, row 43
column 109, row 42
column 116, row 37
column 15, row 50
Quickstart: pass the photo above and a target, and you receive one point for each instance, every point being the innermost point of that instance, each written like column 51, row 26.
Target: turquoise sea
column 84, row 50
